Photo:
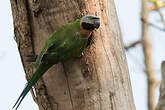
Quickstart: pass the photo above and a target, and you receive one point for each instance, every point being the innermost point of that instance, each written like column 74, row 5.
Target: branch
column 154, row 8
column 153, row 25
column 133, row 44
column 157, row 7
column 161, row 16
column 161, row 102
column 147, row 50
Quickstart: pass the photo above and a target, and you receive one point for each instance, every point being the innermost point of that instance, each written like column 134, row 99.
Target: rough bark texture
column 97, row 81
column 161, row 102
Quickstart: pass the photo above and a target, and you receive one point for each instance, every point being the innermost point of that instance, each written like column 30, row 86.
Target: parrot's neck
column 85, row 33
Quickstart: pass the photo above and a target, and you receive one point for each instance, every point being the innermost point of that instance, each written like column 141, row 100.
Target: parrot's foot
column 79, row 56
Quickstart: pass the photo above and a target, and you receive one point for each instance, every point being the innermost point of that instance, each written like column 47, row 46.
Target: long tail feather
column 41, row 69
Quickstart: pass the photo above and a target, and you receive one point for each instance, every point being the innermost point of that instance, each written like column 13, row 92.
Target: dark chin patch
column 88, row 26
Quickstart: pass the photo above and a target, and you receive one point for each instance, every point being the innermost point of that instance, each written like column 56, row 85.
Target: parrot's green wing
column 54, row 40
column 43, row 51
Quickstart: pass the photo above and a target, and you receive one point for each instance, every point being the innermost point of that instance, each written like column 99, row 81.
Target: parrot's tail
column 41, row 69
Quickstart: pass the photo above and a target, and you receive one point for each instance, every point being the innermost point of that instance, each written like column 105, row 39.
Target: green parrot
column 68, row 41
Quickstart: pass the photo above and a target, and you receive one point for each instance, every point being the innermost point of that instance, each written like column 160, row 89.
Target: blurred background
column 132, row 19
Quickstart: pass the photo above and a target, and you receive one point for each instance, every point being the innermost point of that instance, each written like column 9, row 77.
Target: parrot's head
column 90, row 22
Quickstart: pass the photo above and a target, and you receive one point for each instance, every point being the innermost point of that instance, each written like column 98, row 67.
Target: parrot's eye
column 88, row 26
column 95, row 18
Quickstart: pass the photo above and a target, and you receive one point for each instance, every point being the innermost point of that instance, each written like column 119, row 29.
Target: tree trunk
column 147, row 50
column 161, row 101
column 97, row 81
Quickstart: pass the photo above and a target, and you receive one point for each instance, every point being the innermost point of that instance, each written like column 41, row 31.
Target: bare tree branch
column 154, row 8
column 147, row 49
column 161, row 16
column 133, row 44
column 153, row 25
column 157, row 8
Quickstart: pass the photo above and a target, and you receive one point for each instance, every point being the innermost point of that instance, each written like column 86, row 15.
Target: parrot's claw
column 79, row 56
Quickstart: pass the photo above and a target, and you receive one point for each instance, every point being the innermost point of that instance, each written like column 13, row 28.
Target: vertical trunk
column 97, row 81
column 147, row 50
column 161, row 101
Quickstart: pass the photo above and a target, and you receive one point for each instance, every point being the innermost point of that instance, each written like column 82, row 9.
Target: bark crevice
column 68, row 86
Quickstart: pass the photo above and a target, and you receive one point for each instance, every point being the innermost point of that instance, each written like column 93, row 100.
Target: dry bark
column 161, row 102
column 97, row 81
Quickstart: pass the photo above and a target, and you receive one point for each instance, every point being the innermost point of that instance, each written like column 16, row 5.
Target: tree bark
column 161, row 101
column 97, row 81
